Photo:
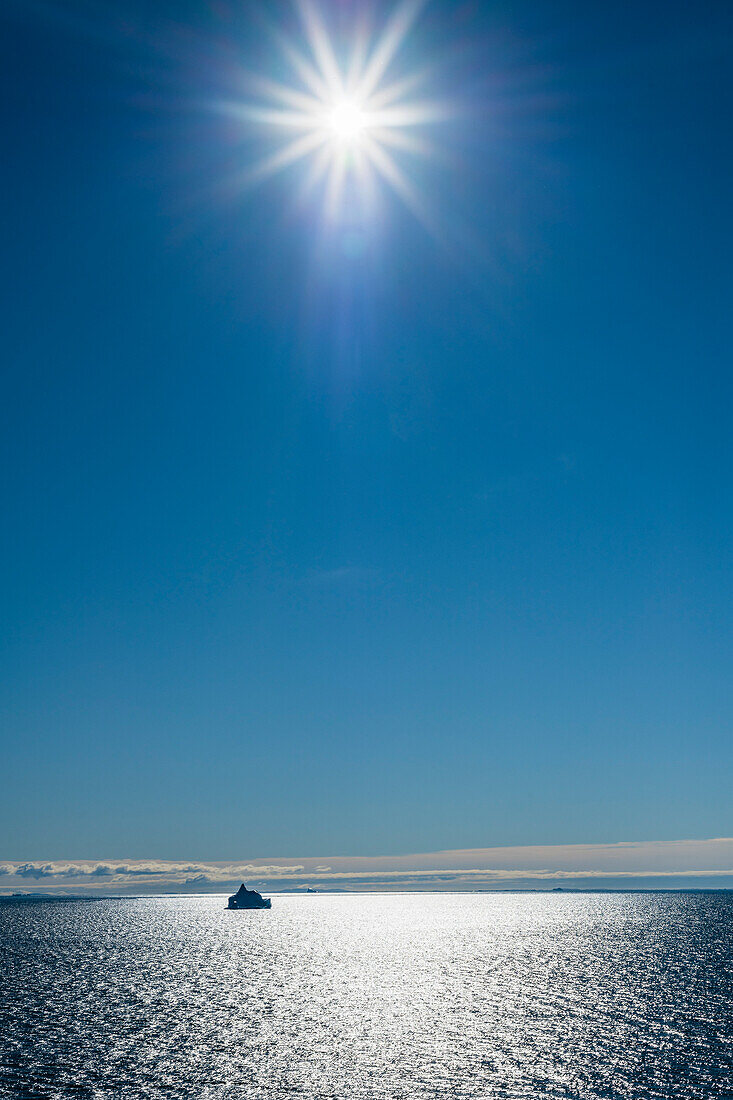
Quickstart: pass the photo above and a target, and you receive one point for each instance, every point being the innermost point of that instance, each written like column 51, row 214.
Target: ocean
column 512, row 995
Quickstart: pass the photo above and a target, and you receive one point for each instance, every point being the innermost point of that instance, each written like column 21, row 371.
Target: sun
column 345, row 114
column 347, row 121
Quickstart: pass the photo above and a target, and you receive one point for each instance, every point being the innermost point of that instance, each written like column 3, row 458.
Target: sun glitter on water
column 344, row 114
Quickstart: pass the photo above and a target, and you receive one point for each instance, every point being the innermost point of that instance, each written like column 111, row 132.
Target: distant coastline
column 35, row 897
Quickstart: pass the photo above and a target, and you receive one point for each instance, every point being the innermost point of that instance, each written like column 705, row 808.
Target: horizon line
column 673, row 863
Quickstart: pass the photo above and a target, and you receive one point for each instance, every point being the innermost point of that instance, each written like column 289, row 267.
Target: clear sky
column 367, row 533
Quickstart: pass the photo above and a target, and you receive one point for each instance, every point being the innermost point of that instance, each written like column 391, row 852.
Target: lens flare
column 350, row 118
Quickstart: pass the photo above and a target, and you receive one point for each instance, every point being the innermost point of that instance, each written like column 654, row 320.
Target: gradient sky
column 385, row 537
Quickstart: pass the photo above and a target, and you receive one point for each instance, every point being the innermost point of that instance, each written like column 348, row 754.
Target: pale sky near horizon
column 397, row 525
column 645, row 865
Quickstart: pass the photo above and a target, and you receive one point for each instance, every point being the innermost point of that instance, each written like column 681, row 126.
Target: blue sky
column 373, row 536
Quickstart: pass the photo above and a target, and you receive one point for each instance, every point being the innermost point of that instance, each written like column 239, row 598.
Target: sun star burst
column 349, row 118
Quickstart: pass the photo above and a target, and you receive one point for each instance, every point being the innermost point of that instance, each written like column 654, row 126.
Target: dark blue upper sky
column 368, row 538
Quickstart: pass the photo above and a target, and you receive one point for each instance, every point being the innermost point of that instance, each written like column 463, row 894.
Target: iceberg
column 248, row 899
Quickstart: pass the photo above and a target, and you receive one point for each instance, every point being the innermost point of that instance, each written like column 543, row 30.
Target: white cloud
column 678, row 862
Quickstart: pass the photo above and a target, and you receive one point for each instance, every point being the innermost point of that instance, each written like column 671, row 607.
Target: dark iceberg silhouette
column 248, row 899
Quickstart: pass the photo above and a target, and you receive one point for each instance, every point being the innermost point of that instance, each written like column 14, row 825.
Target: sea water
column 380, row 996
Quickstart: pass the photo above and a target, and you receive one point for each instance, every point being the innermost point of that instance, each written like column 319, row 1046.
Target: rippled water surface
column 511, row 995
